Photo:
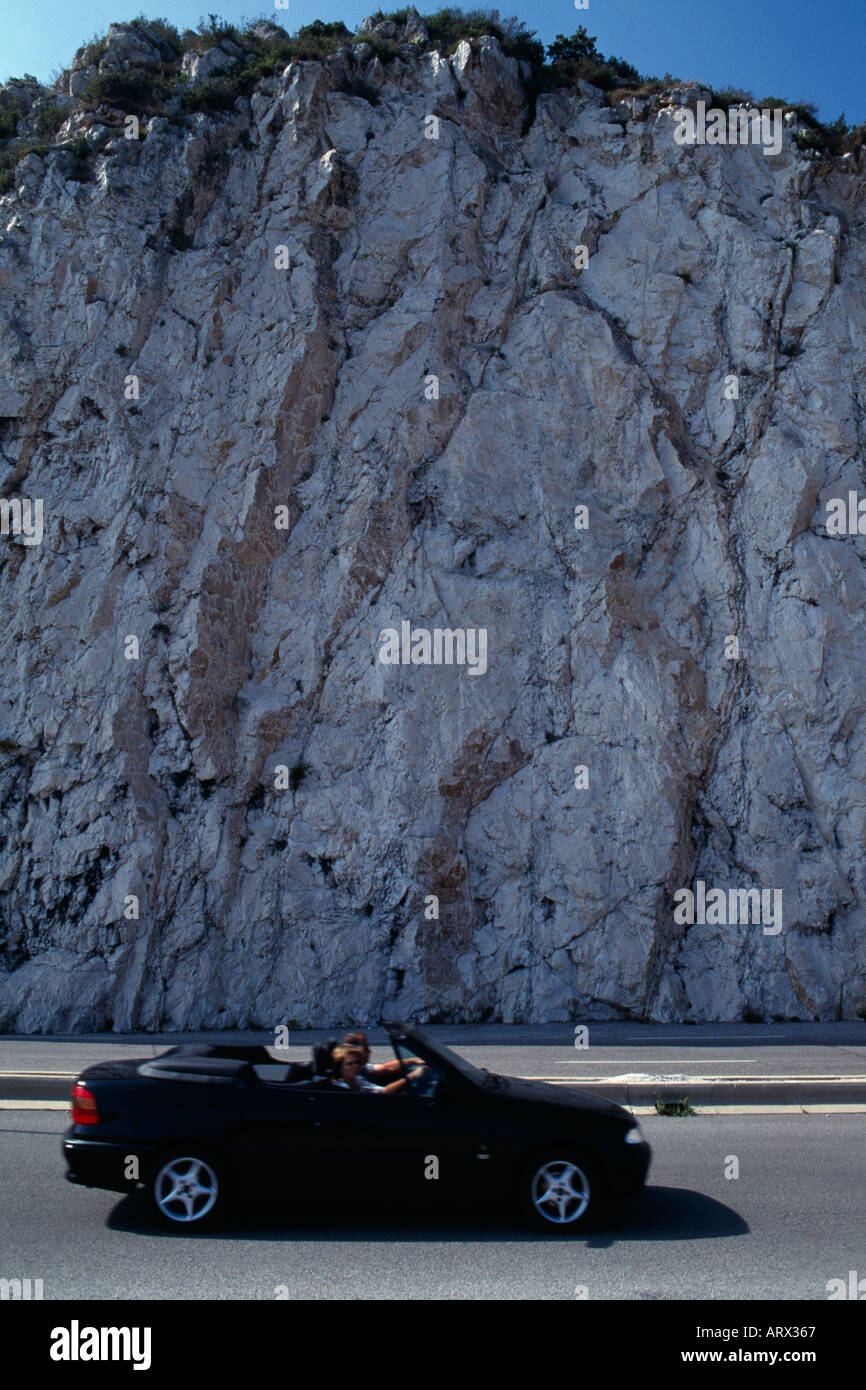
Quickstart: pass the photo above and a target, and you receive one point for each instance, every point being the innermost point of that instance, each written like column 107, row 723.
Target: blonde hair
column 340, row 1053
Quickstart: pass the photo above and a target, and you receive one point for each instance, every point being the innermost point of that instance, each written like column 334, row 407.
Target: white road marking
column 648, row 1078
column 828, row 1109
column 57, row 1075
column 34, row 1105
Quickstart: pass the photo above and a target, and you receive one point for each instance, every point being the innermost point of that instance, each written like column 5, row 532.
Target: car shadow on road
column 671, row 1214
column 659, row 1213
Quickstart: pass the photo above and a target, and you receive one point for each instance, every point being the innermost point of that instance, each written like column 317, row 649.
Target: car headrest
column 322, row 1063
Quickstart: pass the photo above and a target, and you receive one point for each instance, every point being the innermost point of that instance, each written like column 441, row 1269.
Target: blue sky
column 793, row 49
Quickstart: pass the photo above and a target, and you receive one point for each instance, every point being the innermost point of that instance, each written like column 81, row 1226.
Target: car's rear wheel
column 561, row 1193
column 185, row 1191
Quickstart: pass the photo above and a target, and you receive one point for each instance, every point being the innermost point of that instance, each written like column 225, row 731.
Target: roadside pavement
column 714, row 1066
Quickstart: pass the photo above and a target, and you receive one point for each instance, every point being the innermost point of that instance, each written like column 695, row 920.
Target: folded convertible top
column 172, row 1066
column 245, row 1052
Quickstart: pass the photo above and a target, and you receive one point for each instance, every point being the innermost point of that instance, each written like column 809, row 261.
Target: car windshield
column 435, row 1052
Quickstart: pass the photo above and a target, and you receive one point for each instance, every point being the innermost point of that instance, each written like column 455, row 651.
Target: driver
column 377, row 1071
column 348, row 1065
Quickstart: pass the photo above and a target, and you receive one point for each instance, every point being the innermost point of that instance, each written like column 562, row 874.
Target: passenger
column 348, row 1063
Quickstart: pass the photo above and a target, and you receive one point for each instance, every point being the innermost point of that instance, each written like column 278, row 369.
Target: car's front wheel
column 185, row 1191
column 560, row 1192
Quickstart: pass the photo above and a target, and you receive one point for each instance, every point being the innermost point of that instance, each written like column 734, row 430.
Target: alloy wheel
column 560, row 1192
column 185, row 1190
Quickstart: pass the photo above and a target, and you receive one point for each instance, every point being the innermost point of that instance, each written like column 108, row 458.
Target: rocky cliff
column 321, row 388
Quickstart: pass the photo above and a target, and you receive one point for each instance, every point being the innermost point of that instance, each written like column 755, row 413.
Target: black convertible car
column 201, row 1124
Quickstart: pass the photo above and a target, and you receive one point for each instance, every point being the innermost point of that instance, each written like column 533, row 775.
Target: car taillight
column 85, row 1111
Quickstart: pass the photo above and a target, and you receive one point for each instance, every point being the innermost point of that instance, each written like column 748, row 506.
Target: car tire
column 185, row 1191
column 560, row 1192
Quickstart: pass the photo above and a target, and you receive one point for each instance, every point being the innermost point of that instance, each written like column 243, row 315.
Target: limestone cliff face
column 284, row 282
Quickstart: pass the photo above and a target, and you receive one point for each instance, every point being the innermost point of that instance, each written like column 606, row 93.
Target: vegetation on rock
column 164, row 88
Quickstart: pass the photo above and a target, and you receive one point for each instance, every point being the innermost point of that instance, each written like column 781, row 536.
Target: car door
column 423, row 1147
column 279, row 1139
column 309, row 1139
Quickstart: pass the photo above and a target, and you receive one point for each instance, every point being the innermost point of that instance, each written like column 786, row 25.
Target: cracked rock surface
column 306, row 388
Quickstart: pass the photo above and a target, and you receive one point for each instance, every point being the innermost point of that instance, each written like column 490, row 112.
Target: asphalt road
column 791, row 1221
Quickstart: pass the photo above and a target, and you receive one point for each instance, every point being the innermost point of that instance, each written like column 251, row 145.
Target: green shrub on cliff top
column 568, row 60
column 136, row 90
column 449, row 26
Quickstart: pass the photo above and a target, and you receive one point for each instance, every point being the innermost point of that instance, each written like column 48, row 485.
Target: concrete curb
column 799, row 1090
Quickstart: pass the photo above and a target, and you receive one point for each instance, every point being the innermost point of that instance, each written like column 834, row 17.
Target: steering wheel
column 407, row 1090
column 423, row 1085
column 412, row 1082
